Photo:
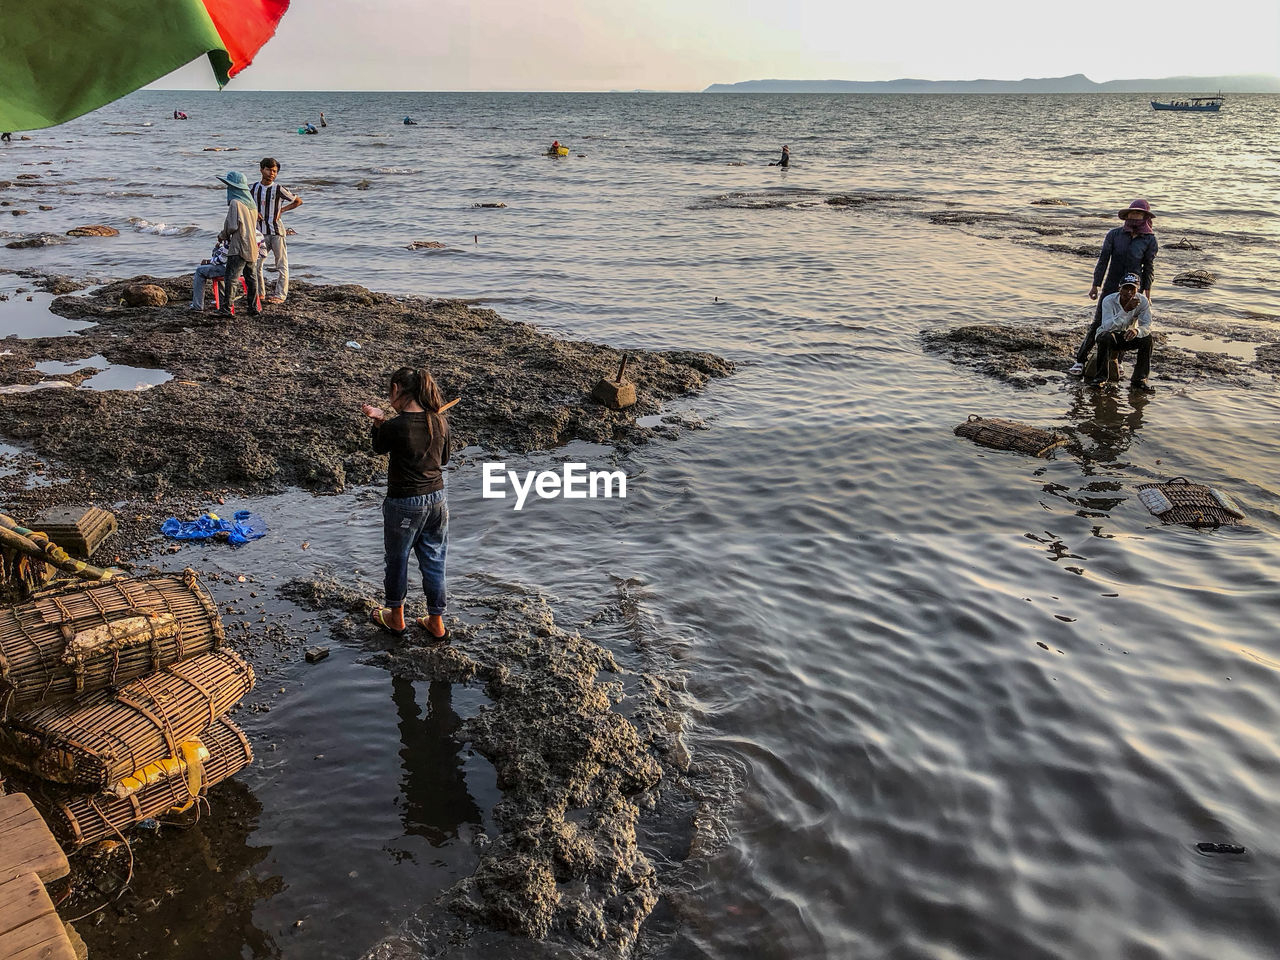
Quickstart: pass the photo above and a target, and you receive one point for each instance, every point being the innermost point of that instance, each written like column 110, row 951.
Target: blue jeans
column 206, row 271
column 420, row 524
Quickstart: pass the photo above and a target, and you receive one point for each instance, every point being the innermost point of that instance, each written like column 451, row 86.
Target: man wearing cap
column 1125, row 325
column 1127, row 249
column 239, row 230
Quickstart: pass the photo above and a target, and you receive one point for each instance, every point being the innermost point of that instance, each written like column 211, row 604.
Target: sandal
column 435, row 637
column 379, row 616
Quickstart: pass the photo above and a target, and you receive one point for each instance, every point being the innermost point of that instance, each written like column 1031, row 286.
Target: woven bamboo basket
column 67, row 641
column 1010, row 435
column 88, row 818
column 78, row 530
column 102, row 737
column 1193, row 504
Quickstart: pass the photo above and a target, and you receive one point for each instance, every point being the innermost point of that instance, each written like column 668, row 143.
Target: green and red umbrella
column 62, row 58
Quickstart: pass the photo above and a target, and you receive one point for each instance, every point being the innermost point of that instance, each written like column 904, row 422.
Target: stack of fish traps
column 113, row 702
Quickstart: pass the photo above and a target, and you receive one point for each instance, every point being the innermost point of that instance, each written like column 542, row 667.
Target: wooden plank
column 30, row 928
column 76, row 941
column 26, row 845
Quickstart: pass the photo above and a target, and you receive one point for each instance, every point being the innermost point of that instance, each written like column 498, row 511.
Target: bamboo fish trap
column 65, row 642
column 1010, row 435
column 1181, row 501
column 221, row 751
column 103, row 737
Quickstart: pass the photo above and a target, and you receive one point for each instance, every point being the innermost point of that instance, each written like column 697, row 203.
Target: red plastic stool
column 217, row 295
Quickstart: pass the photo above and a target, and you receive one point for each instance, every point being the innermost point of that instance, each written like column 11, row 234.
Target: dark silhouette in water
column 436, row 800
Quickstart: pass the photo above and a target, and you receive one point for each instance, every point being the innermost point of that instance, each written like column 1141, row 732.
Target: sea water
column 964, row 703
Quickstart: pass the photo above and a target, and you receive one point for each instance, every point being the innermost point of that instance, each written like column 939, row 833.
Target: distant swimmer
column 323, row 122
column 6, row 136
column 179, row 115
column 785, row 160
column 308, row 128
column 409, row 122
column 556, row 150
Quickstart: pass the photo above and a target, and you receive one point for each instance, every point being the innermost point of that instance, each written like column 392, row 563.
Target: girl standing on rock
column 415, row 516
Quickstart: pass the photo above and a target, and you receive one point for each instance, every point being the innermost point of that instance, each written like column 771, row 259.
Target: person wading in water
column 415, row 515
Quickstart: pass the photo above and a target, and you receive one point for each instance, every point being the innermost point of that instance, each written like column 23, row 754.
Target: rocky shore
column 258, row 404
column 581, row 744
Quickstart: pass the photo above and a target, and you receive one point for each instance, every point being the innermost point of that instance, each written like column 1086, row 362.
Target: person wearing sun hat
column 239, row 230
column 1126, row 325
column 1128, row 249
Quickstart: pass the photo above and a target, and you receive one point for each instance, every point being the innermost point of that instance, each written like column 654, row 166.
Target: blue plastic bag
column 241, row 528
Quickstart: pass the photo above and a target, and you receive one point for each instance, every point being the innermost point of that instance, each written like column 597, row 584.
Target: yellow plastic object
column 190, row 763
column 562, row 151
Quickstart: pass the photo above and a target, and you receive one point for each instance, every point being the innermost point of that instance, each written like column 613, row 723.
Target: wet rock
column 952, row 218
column 1083, row 250
column 1017, row 354
column 514, row 381
column 574, row 772
column 426, row 245
column 1195, row 278
column 93, row 230
column 363, row 185
column 58, row 284
column 490, row 206
column 1228, row 848
column 144, row 295
column 19, row 213
column 45, row 206
column 1049, row 202
column 1267, row 358
column 40, row 240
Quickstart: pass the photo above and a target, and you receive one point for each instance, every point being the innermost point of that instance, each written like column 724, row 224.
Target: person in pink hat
column 1130, row 248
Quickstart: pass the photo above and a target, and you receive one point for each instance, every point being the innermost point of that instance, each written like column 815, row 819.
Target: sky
column 552, row 45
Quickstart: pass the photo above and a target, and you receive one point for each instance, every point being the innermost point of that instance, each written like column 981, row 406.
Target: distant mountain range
column 1077, row 83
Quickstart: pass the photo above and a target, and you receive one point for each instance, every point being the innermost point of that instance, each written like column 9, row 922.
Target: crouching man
column 1126, row 325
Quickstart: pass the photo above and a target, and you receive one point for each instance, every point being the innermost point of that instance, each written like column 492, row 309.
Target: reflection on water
column 434, row 786
column 951, row 748
column 27, row 319
column 205, row 878
column 1109, row 418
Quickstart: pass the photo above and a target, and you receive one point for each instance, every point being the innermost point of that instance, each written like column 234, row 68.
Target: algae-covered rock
column 144, row 295
column 93, row 230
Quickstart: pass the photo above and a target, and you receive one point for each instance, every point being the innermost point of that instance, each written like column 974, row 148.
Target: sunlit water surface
column 978, row 705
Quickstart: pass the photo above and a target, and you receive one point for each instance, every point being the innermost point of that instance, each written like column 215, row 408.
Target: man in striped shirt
column 274, row 200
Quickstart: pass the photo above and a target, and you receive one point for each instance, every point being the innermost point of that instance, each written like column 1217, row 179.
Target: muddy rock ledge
column 256, row 404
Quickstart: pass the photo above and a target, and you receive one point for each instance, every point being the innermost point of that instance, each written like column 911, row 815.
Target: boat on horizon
column 1191, row 104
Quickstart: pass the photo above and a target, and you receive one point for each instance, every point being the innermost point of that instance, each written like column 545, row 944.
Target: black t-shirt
column 416, row 460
